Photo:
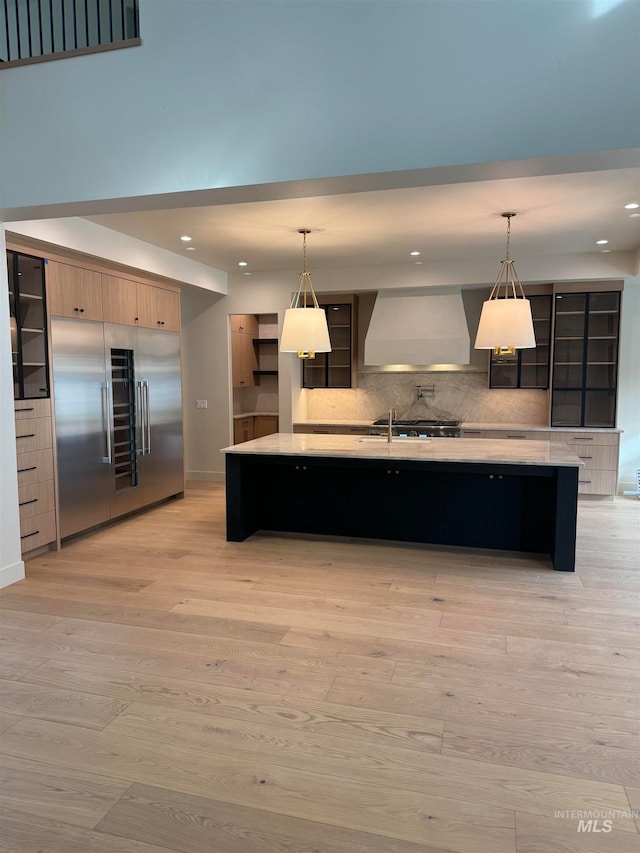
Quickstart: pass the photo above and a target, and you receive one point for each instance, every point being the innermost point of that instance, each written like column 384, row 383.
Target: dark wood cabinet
column 333, row 369
column 28, row 318
column 527, row 368
column 585, row 359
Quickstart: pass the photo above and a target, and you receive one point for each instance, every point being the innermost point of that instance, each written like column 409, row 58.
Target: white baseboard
column 215, row 476
column 11, row 574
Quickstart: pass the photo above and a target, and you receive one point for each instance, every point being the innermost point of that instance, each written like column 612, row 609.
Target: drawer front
column 518, row 434
column 32, row 434
column 37, row 530
column 473, row 433
column 586, row 439
column 35, row 467
column 36, row 499
column 596, row 482
column 598, row 457
column 32, row 409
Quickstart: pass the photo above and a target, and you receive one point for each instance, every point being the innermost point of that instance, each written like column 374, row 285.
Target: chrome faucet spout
column 392, row 416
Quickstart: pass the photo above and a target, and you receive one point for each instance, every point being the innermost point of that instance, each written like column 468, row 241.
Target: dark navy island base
column 506, row 506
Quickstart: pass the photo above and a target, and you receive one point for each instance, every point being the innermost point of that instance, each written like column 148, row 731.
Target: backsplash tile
column 463, row 396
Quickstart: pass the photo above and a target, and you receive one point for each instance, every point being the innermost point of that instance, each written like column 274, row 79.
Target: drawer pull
column 22, row 470
column 27, row 535
column 585, row 457
column 582, row 438
column 32, row 409
column 34, row 501
column 27, row 435
column 584, row 481
column 516, row 436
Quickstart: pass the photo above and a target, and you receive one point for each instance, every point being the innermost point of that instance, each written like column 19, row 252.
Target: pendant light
column 305, row 329
column 505, row 322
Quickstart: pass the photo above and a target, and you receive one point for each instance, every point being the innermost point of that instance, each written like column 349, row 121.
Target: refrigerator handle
column 148, row 416
column 140, row 417
column 106, row 419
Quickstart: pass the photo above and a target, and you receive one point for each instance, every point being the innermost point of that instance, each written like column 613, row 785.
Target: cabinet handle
column 584, row 481
column 491, row 476
column 34, row 501
column 500, row 476
column 32, row 409
column 582, row 438
column 82, row 310
column 517, row 436
column 585, row 457
column 22, row 470
column 27, row 435
column 27, row 535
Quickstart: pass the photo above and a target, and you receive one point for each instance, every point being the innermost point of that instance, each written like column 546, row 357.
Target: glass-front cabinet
column 28, row 318
column 527, row 368
column 333, row 369
column 585, row 359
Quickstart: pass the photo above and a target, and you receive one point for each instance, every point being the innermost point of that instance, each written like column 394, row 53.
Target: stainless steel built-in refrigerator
column 118, row 415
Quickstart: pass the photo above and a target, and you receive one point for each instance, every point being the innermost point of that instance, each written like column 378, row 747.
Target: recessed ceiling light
column 418, row 262
column 246, row 273
column 191, row 248
column 601, row 242
column 414, row 253
column 185, row 238
column 632, row 205
column 605, row 250
column 633, row 215
column 242, row 263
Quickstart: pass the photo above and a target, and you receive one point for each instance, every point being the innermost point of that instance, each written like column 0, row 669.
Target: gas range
column 418, row 428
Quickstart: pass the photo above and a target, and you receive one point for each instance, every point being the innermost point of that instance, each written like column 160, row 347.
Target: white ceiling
column 556, row 214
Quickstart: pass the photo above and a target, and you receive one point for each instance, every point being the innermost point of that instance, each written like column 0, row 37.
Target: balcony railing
column 32, row 30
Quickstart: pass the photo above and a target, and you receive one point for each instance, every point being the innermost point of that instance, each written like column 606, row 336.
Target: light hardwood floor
column 165, row 690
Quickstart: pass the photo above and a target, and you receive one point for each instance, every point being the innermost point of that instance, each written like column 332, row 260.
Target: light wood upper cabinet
column 73, row 291
column 243, row 360
column 119, row 300
column 246, row 324
column 158, row 308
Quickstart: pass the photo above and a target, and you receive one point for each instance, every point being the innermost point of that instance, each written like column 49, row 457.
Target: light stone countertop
column 256, row 414
column 329, row 422
column 422, row 450
column 537, row 428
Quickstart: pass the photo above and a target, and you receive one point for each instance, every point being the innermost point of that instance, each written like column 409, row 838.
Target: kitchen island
column 482, row 493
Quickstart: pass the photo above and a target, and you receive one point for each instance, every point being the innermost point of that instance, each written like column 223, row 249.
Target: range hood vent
column 419, row 329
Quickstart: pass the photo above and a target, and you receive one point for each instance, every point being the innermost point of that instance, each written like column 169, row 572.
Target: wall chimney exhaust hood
column 410, row 328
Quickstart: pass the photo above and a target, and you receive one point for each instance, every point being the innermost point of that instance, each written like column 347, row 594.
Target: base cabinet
column 36, row 492
column 253, row 426
column 515, row 507
column 598, row 450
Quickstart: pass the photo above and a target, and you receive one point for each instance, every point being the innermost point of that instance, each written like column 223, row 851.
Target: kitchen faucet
column 392, row 416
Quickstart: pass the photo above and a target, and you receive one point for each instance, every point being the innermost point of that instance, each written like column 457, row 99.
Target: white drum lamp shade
column 505, row 323
column 305, row 330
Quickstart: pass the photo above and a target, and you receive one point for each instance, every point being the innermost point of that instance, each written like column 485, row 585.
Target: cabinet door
column 119, row 300
column 247, row 324
column 585, row 366
column 158, row 308
column 264, row 425
column 73, row 291
column 242, row 429
column 243, row 360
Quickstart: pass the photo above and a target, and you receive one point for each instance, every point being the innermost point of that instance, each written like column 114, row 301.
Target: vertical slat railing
column 71, row 25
